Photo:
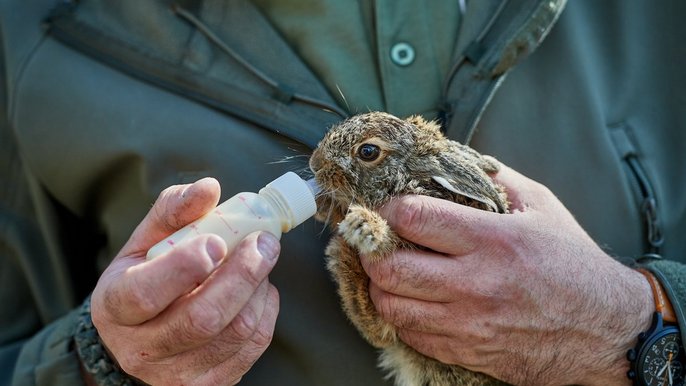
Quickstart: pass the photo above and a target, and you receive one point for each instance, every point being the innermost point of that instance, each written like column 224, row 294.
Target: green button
column 402, row 54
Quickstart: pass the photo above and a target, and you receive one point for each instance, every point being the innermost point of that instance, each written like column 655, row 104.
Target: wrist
column 630, row 315
column 87, row 377
column 97, row 367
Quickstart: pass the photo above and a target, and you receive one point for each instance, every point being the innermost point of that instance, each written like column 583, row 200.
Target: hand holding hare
column 526, row 297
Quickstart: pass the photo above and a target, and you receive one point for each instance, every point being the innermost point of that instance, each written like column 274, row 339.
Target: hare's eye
column 368, row 152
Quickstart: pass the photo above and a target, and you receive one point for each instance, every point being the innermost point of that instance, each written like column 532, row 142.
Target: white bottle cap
column 297, row 195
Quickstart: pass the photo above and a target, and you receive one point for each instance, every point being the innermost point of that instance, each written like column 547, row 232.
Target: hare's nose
column 315, row 161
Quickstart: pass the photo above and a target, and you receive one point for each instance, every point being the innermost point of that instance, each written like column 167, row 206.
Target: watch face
column 662, row 361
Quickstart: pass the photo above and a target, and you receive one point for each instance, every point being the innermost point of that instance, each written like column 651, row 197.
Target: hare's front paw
column 367, row 232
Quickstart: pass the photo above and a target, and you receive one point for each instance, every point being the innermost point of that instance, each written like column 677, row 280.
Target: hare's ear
column 450, row 185
column 428, row 130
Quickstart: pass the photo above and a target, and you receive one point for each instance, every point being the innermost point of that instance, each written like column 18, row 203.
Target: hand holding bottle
column 189, row 316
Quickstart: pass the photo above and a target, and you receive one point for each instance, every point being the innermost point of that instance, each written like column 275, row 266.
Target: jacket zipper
column 648, row 207
column 646, row 197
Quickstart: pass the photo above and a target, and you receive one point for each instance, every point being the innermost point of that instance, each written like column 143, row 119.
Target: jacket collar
column 495, row 36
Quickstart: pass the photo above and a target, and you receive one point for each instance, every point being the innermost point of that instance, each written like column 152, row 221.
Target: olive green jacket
column 106, row 103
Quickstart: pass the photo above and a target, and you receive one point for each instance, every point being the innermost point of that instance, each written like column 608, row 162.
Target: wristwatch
column 658, row 359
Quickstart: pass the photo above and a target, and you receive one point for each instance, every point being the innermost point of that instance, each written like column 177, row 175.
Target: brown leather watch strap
column 662, row 304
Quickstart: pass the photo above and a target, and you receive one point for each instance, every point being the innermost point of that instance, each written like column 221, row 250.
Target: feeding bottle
column 280, row 206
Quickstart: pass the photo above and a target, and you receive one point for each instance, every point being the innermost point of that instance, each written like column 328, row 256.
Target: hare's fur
column 413, row 158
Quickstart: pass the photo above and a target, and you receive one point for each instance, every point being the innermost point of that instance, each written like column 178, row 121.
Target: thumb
column 522, row 192
column 175, row 207
column 447, row 227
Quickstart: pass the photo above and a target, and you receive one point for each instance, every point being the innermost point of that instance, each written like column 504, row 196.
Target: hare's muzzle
column 315, row 161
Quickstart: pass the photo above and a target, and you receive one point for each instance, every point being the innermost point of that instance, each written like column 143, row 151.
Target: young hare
column 360, row 164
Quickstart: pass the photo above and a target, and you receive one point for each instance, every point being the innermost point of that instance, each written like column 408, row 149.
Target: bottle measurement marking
column 195, row 229
column 221, row 217
column 269, row 209
column 243, row 200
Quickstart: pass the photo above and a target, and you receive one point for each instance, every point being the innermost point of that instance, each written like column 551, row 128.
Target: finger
column 175, row 207
column 228, row 344
column 240, row 361
column 449, row 350
column 442, row 225
column 142, row 291
column 211, row 307
column 409, row 313
column 478, row 282
column 522, row 192
column 415, row 274
column 434, row 318
column 245, row 324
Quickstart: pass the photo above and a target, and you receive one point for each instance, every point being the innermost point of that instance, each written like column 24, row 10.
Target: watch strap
column 94, row 357
column 662, row 303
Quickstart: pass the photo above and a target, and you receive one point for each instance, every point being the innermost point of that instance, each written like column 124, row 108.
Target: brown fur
column 414, row 158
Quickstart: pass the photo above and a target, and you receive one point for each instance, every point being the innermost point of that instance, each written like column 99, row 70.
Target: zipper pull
column 646, row 197
column 653, row 228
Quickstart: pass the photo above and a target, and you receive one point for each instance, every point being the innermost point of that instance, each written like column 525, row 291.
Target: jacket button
column 402, row 54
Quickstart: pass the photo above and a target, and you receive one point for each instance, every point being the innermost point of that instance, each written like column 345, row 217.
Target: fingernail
column 268, row 245
column 216, row 248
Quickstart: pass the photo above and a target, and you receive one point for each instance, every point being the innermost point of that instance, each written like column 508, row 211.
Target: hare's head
column 369, row 158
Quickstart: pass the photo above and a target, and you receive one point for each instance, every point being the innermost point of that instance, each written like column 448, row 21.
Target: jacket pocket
column 644, row 192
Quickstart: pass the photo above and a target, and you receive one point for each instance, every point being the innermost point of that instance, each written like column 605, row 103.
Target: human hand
column 526, row 297
column 192, row 316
